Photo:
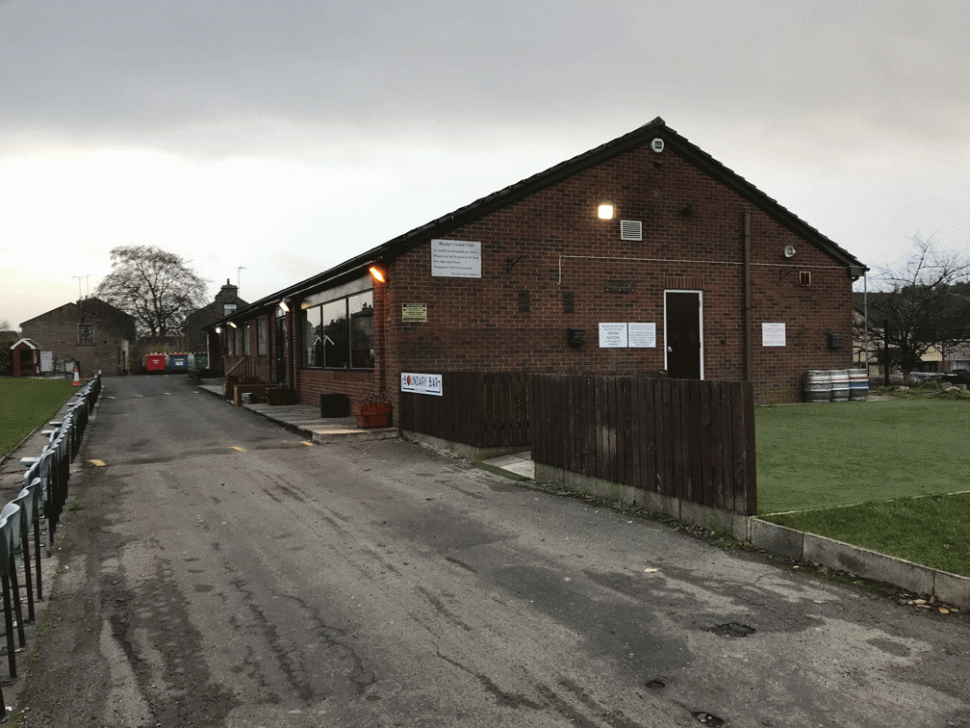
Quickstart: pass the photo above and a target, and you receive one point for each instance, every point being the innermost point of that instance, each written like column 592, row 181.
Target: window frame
column 349, row 343
column 262, row 340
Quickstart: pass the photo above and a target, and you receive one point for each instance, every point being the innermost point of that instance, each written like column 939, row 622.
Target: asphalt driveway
column 219, row 571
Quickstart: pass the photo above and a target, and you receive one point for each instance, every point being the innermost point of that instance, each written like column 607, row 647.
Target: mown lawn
column 853, row 469
column 932, row 531
column 26, row 404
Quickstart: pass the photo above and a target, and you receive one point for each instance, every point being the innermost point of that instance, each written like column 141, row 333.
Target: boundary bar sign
column 422, row 384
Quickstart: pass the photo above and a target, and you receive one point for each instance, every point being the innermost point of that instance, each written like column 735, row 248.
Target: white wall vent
column 631, row 230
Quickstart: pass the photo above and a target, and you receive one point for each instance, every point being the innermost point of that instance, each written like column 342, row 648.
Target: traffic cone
column 77, row 379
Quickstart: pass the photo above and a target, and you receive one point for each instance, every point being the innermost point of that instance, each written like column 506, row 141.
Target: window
column 339, row 334
column 313, row 337
column 85, row 334
column 262, row 324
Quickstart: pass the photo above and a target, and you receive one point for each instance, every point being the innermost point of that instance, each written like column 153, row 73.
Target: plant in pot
column 372, row 413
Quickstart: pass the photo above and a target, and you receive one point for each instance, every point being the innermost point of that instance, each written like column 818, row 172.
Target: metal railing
column 39, row 504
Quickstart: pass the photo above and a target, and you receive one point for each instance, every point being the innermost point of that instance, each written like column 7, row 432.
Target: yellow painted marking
column 240, row 449
column 110, row 397
column 97, row 463
column 307, row 443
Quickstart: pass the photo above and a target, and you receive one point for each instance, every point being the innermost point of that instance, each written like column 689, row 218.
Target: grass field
column 25, row 404
column 858, row 467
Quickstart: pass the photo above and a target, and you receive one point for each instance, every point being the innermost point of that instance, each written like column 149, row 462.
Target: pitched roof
column 29, row 342
column 92, row 304
column 398, row 246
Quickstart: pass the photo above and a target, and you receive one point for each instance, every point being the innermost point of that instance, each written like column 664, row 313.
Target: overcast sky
column 286, row 137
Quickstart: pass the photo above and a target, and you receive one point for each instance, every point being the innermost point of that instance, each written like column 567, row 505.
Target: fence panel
column 476, row 408
column 692, row 440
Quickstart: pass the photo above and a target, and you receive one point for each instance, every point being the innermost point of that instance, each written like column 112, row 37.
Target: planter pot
column 373, row 414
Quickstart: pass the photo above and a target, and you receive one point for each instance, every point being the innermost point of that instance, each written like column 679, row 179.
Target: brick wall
column 111, row 331
column 515, row 317
column 546, row 263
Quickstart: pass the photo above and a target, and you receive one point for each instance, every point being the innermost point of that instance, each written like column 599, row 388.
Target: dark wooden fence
column 477, row 408
column 692, row 440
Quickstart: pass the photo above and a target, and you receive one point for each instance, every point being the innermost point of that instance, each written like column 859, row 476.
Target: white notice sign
column 642, row 336
column 613, row 336
column 772, row 334
column 456, row 259
column 422, row 384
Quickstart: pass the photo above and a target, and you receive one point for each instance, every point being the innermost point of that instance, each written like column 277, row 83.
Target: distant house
column 197, row 339
column 92, row 333
column 925, row 321
column 25, row 358
column 643, row 255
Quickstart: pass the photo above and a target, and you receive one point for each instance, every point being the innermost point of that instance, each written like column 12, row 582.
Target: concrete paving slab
column 306, row 419
column 525, row 468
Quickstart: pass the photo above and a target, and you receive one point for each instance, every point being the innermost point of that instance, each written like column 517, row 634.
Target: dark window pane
column 336, row 335
column 312, row 337
column 362, row 330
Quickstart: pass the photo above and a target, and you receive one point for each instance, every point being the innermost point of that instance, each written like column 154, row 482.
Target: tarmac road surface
column 217, row 571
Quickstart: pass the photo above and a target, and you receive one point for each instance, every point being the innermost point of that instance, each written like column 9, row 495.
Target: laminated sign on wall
column 613, row 336
column 422, row 383
column 456, row 259
column 772, row 334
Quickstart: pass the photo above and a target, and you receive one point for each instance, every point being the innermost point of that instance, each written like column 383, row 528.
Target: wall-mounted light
column 218, row 329
column 285, row 306
column 233, row 325
column 376, row 273
column 605, row 212
column 690, row 209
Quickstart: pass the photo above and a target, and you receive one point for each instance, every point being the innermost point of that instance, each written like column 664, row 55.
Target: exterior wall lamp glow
column 285, row 306
column 376, row 273
column 233, row 325
column 605, row 212
column 218, row 329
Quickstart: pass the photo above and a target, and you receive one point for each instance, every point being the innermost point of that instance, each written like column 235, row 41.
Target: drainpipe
column 747, row 296
column 380, row 319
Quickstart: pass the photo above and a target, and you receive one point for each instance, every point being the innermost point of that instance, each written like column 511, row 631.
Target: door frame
column 700, row 325
column 281, row 344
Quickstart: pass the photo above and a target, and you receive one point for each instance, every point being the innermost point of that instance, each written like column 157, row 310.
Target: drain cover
column 733, row 629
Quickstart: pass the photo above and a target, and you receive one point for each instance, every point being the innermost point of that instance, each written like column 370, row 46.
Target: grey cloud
column 208, row 76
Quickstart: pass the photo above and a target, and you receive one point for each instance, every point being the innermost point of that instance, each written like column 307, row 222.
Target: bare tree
column 921, row 304
column 158, row 288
